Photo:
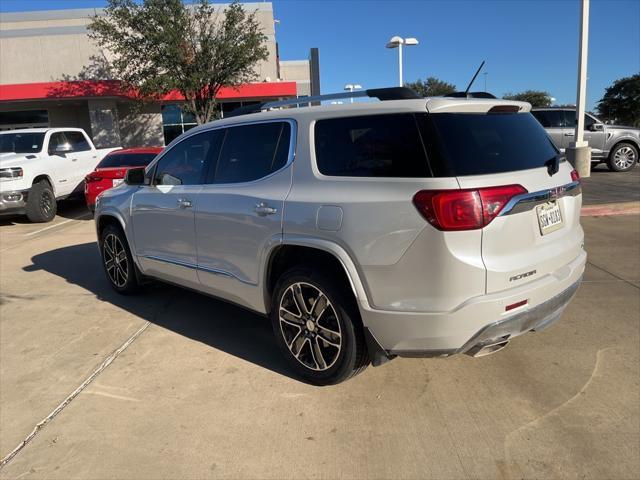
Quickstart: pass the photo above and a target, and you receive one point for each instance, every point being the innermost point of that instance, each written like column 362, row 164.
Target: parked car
column 111, row 170
column 415, row 227
column 614, row 145
column 39, row 166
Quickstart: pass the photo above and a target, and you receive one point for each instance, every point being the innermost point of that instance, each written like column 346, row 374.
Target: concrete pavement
column 204, row 393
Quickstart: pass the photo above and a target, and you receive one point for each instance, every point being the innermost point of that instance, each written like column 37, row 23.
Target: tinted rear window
column 371, row 146
column 126, row 160
column 478, row 144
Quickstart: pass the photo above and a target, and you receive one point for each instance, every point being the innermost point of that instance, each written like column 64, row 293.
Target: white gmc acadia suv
column 410, row 227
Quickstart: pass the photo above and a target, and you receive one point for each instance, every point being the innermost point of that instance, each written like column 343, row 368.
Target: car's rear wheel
column 317, row 327
column 117, row 260
column 41, row 203
column 623, row 157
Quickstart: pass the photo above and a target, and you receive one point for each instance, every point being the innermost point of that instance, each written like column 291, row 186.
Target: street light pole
column 578, row 152
column 400, row 82
column 398, row 42
column 350, row 87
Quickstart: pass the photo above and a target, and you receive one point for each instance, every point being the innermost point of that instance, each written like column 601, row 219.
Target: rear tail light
column 575, row 176
column 92, row 178
column 452, row 210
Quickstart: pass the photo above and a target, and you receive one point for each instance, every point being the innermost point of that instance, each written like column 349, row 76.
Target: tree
column 160, row 46
column 432, row 87
column 537, row 98
column 621, row 101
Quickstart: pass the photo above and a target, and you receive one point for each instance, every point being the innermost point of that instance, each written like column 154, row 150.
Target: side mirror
column 134, row 176
column 596, row 127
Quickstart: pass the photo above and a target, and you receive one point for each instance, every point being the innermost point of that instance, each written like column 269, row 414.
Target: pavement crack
column 40, row 425
column 613, row 275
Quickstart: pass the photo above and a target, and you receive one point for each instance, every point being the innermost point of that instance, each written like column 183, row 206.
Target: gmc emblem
column 555, row 193
column 522, row 275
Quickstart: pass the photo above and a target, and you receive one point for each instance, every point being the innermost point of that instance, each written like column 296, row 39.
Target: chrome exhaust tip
column 487, row 349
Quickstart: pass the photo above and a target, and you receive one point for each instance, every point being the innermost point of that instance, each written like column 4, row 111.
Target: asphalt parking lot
column 604, row 186
column 201, row 391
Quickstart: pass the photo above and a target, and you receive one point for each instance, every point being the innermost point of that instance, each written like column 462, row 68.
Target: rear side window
column 61, row 142
column 126, row 160
column 550, row 118
column 251, row 152
column 478, row 144
column 371, row 146
column 78, row 141
column 186, row 162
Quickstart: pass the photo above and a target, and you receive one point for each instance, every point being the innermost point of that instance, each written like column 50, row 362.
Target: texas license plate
column 117, row 181
column 549, row 217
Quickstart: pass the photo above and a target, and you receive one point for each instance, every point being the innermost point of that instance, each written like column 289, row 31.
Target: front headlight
column 12, row 173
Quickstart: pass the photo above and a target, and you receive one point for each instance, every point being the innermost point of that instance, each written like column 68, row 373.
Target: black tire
column 340, row 322
column 41, row 203
column 623, row 157
column 117, row 261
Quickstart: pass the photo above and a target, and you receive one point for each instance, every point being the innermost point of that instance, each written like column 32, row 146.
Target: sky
column 527, row 44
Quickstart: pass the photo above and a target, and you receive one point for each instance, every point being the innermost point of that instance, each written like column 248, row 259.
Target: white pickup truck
column 39, row 166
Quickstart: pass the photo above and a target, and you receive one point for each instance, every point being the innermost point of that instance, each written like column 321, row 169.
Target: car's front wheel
column 317, row 327
column 41, row 203
column 117, row 260
column 623, row 157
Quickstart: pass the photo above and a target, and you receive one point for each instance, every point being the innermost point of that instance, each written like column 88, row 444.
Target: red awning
column 111, row 88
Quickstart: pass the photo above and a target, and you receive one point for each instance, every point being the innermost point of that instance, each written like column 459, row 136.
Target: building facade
column 53, row 75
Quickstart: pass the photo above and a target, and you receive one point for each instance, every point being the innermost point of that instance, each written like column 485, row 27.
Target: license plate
column 549, row 217
column 117, row 181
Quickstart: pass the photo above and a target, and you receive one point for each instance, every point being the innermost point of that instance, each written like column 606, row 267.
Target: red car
column 111, row 170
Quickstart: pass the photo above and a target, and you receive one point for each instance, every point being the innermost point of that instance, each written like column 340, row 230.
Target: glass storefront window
column 175, row 122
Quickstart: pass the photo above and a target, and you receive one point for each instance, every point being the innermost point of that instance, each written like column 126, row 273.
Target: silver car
column 615, row 145
column 406, row 227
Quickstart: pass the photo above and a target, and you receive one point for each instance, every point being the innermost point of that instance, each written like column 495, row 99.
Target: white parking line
column 81, row 217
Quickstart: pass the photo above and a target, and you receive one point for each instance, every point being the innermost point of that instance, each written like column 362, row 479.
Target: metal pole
column 400, row 63
column 579, row 153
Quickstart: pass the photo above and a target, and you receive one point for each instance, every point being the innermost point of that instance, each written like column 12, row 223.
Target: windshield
column 21, row 142
column 126, row 160
column 479, row 144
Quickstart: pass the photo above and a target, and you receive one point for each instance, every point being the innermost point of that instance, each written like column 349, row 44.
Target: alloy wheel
column 624, row 157
column 310, row 327
column 115, row 260
column 46, row 203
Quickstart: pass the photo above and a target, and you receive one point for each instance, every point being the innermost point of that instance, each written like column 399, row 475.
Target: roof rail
column 470, row 95
column 383, row 94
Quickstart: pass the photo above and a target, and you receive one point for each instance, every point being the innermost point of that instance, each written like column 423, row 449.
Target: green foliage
column 621, row 101
column 431, row 87
column 160, row 46
column 537, row 98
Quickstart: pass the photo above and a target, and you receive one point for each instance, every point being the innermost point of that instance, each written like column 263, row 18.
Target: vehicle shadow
column 74, row 208
column 218, row 324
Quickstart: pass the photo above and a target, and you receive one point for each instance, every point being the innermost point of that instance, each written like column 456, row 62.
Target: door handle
column 184, row 203
column 263, row 209
column 568, row 134
column 74, row 159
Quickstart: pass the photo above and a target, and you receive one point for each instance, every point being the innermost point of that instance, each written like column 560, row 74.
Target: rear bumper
column 480, row 321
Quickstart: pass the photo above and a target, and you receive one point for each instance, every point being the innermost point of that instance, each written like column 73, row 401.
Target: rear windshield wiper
column 553, row 165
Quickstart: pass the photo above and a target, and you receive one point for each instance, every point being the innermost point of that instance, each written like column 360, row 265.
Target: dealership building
column 53, row 75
